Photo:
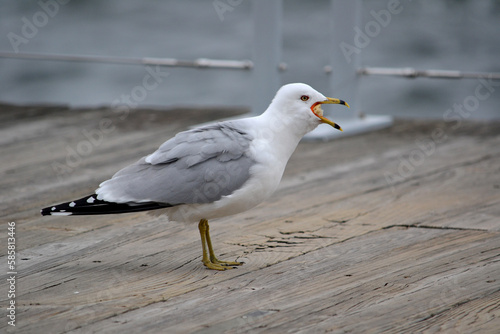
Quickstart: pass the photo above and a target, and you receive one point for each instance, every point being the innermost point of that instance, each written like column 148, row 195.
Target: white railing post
column 345, row 17
column 266, row 57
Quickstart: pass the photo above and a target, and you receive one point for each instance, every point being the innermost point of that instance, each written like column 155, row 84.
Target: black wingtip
column 57, row 210
column 90, row 205
column 45, row 211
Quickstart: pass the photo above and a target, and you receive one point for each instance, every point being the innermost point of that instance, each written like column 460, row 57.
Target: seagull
column 212, row 171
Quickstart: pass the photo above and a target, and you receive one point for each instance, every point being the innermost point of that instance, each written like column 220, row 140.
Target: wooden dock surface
column 395, row 231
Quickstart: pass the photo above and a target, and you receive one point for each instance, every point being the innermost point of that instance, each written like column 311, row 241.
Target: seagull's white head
column 300, row 102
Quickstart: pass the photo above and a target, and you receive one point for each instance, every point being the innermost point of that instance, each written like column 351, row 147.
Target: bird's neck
column 284, row 133
column 288, row 123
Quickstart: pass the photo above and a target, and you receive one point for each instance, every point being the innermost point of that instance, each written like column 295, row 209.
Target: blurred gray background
column 427, row 34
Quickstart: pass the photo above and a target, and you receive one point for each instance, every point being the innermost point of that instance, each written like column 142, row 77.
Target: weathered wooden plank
column 390, row 280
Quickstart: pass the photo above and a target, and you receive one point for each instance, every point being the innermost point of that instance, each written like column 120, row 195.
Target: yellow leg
column 209, row 259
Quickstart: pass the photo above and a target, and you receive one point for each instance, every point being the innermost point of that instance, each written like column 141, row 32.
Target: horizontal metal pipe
column 409, row 72
column 171, row 62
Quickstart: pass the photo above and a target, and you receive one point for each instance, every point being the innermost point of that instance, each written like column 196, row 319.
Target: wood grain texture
column 393, row 231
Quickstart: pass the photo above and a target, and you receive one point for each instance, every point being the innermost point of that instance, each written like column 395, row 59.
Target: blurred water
column 452, row 34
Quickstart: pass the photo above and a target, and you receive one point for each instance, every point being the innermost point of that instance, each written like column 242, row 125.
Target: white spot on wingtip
column 61, row 213
column 90, row 200
column 72, row 204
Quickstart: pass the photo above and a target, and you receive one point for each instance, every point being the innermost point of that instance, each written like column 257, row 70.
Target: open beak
column 316, row 109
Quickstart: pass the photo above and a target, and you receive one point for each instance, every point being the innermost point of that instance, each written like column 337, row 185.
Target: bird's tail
column 90, row 205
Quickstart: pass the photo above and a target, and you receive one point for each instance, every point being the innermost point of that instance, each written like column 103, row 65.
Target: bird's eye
column 304, row 97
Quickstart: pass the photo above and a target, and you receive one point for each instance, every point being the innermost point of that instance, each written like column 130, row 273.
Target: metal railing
column 409, row 72
column 170, row 62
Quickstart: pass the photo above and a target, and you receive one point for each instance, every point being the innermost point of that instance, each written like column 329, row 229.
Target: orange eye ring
column 304, row 97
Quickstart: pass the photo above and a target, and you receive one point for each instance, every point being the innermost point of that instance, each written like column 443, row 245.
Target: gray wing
column 196, row 166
